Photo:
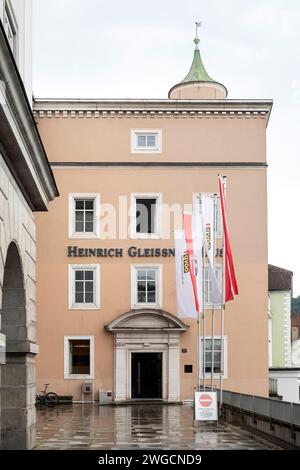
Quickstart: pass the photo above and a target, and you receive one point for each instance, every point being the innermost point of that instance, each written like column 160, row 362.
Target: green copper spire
column 197, row 72
column 198, row 85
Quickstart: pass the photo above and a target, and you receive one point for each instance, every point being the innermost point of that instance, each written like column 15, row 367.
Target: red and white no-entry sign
column 205, row 400
column 206, row 406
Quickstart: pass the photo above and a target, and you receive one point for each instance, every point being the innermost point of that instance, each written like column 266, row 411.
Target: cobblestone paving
column 135, row 427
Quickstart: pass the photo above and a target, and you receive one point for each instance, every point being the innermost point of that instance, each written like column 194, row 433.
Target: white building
column 296, row 353
column 285, row 383
column 284, row 377
column 16, row 18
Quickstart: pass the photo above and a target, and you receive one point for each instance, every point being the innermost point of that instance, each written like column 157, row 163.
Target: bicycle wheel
column 51, row 399
column 38, row 400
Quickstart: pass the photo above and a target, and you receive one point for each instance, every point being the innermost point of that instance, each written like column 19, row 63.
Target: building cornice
column 155, row 164
column 96, row 108
column 21, row 145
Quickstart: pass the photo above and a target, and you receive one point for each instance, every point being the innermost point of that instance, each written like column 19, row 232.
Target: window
column 78, row 357
column 146, row 141
column 216, row 356
column 10, row 29
column 218, row 215
column 207, row 285
column 145, row 221
column 273, row 386
column 146, row 286
column 84, row 287
column 145, row 215
column 84, row 215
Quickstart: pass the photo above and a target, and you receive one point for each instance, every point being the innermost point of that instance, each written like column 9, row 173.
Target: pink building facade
column 107, row 312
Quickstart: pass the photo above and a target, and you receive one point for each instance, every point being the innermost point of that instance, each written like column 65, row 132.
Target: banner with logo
column 208, row 223
column 188, row 258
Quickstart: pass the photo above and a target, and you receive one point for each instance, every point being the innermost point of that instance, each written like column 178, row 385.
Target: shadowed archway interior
column 13, row 300
column 17, row 374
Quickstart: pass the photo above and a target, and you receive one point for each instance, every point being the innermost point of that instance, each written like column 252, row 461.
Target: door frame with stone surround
column 147, row 330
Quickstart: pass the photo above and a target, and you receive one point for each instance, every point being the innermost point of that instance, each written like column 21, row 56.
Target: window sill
column 145, row 236
column 146, row 151
column 216, row 376
column 81, row 235
column 84, row 307
column 139, row 306
column 78, row 377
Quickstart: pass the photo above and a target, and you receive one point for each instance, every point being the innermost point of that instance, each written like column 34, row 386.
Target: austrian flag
column 231, row 288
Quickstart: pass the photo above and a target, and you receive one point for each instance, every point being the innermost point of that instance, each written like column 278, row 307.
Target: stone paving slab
column 136, row 427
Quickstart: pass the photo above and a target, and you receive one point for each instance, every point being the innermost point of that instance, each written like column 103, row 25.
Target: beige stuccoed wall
column 209, row 139
column 196, row 91
column 184, row 139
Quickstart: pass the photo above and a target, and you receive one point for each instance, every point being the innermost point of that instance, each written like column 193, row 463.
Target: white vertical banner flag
column 188, row 270
column 208, row 225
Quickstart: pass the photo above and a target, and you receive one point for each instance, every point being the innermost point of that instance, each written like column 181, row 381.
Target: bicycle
column 46, row 398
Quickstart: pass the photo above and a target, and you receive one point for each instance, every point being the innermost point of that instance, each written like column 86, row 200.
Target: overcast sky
column 135, row 49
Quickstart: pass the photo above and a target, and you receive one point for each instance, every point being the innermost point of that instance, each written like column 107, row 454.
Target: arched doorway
column 18, row 373
column 147, row 339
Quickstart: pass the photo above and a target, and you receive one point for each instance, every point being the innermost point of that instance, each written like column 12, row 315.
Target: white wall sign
column 206, row 406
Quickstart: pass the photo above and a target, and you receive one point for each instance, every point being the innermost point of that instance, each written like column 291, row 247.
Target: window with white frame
column 84, row 286
column 145, row 221
column 146, row 141
column 146, row 286
column 207, row 285
column 84, row 216
column 10, row 29
column 78, row 357
column 213, row 355
column 218, row 214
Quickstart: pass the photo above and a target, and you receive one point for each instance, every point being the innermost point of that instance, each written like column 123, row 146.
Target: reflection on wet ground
column 135, row 427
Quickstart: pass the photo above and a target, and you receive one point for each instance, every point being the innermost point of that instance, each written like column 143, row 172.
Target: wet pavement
column 135, row 427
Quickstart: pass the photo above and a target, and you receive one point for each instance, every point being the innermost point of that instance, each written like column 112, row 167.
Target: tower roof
column 197, row 72
column 198, row 75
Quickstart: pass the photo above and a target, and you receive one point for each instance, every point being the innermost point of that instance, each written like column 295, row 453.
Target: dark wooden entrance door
column 146, row 375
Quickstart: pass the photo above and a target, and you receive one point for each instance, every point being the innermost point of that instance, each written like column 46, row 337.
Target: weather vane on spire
column 197, row 40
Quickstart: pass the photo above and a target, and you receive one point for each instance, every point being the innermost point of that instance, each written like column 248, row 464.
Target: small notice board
column 206, row 406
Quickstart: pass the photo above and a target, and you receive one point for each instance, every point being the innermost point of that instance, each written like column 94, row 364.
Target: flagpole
column 213, row 309
column 212, row 348
column 203, row 313
column 198, row 352
column 203, row 308
column 222, row 313
column 198, row 347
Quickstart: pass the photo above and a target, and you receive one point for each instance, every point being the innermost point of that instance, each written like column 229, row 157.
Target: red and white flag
column 231, row 288
column 188, row 252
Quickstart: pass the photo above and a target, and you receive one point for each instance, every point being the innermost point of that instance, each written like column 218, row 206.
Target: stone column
column 174, row 369
column 18, row 414
column 120, row 371
column 18, row 373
